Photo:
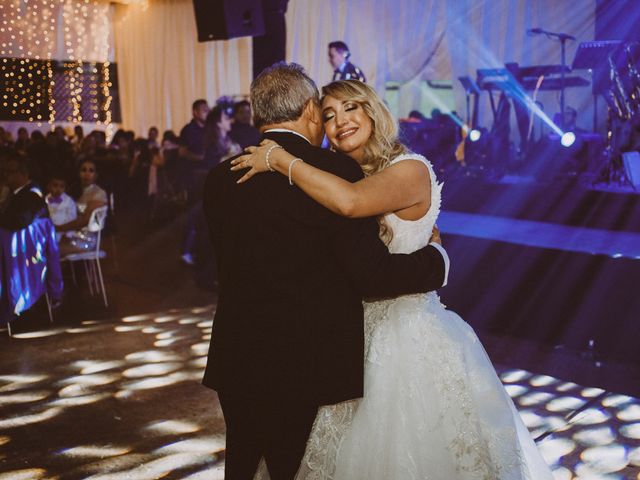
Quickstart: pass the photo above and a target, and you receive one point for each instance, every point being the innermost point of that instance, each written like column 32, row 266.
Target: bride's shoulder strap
column 418, row 157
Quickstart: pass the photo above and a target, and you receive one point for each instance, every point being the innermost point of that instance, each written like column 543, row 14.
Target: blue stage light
column 474, row 135
column 568, row 139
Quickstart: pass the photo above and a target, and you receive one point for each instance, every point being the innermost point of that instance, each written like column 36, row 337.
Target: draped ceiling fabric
column 56, row 29
column 162, row 68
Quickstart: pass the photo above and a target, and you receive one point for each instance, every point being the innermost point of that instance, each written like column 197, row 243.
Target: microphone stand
column 563, row 37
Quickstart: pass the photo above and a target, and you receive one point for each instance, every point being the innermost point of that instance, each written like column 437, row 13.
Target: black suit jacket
column 23, row 208
column 292, row 275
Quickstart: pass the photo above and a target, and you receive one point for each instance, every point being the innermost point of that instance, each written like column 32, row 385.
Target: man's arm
column 377, row 273
column 23, row 211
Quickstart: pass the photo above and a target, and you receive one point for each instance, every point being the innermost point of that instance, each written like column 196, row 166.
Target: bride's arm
column 397, row 187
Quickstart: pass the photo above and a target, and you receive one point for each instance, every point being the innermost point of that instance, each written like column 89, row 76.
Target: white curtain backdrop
column 390, row 40
column 162, row 68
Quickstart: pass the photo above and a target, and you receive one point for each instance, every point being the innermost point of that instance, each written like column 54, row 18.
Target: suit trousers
column 276, row 429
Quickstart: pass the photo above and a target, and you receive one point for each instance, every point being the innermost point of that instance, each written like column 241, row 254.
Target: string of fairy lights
column 38, row 38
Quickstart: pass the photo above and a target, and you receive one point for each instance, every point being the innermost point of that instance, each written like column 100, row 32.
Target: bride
column 433, row 406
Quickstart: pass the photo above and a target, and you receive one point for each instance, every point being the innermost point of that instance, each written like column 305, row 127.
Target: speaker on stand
column 271, row 47
column 264, row 20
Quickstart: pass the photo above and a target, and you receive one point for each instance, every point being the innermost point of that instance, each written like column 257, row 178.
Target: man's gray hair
column 280, row 93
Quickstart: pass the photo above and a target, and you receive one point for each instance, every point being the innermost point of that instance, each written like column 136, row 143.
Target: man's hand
column 435, row 236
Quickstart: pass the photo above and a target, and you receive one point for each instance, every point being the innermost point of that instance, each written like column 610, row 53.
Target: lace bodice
column 411, row 235
column 408, row 236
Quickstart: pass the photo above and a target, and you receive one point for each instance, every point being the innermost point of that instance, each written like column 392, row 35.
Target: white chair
column 91, row 258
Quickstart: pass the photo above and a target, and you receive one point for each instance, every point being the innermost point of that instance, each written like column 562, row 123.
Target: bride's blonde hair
column 383, row 144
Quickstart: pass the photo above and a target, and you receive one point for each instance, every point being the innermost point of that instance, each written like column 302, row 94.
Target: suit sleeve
column 22, row 212
column 367, row 262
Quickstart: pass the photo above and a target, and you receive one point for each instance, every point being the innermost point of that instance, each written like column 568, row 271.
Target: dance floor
column 531, row 233
column 120, row 399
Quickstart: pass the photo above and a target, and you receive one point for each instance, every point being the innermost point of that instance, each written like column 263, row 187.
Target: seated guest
column 62, row 208
column 25, row 202
column 92, row 197
column 242, row 131
column 29, row 258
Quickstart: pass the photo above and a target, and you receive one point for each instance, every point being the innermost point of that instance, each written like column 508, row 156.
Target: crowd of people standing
column 157, row 177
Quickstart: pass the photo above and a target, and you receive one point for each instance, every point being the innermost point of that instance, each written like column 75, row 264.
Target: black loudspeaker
column 270, row 47
column 225, row 19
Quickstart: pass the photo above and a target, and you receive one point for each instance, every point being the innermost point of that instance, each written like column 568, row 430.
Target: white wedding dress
column 433, row 406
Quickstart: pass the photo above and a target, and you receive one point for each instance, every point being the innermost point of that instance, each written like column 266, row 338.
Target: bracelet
column 266, row 158
column 291, row 166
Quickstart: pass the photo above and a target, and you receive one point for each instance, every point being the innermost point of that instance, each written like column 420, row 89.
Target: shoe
column 187, row 259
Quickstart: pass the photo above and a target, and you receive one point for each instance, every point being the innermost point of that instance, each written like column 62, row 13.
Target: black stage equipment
column 436, row 138
column 269, row 47
column 471, row 88
column 512, row 81
column 563, row 37
column 225, row 19
column 615, row 68
column 548, row 160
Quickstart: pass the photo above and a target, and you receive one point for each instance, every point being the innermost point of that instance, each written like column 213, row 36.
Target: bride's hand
column 435, row 236
column 254, row 159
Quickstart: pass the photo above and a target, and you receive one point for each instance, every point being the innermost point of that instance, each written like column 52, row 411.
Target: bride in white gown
column 433, row 406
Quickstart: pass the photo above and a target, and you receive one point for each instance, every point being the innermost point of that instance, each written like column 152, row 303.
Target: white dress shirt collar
column 286, row 130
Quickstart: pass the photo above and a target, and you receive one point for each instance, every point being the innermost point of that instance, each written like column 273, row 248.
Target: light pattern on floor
column 582, row 432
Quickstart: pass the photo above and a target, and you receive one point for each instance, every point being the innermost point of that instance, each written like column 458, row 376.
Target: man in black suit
column 25, row 202
column 288, row 331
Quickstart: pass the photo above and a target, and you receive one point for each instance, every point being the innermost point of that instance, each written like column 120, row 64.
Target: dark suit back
column 292, row 277
column 23, row 208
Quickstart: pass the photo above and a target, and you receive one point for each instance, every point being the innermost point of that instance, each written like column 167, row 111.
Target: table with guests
column 76, row 173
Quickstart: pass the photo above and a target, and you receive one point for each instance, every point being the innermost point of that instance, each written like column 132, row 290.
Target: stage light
column 568, row 139
column 474, row 135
